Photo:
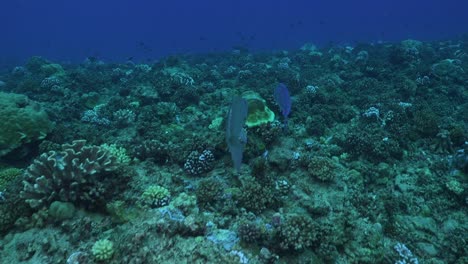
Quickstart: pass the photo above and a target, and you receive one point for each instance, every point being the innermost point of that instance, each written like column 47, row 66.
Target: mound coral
column 23, row 121
column 103, row 249
column 70, row 175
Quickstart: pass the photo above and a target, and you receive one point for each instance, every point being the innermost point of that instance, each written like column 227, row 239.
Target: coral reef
column 371, row 166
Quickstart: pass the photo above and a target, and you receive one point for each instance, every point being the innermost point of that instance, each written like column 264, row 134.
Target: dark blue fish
column 283, row 99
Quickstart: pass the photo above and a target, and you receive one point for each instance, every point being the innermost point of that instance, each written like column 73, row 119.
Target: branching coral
column 155, row 196
column 297, row 233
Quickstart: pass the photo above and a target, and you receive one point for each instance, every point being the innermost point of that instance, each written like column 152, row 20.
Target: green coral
column 61, row 210
column 297, row 233
column 321, row 168
column 10, row 211
column 121, row 212
column 35, row 63
column 103, row 249
column 208, row 192
column 216, row 123
column 185, row 202
column 426, row 122
column 155, row 196
column 119, row 153
column 455, row 186
column 7, row 175
column 250, row 232
column 448, row 69
column 52, row 69
column 23, row 121
column 256, row 196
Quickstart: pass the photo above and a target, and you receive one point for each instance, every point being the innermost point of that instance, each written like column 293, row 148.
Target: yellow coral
column 259, row 113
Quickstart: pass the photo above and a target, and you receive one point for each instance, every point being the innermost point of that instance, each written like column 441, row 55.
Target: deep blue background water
column 70, row 30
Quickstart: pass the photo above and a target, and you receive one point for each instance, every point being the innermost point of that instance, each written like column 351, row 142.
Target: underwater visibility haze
column 257, row 132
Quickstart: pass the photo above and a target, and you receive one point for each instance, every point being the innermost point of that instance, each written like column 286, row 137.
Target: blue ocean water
column 117, row 30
